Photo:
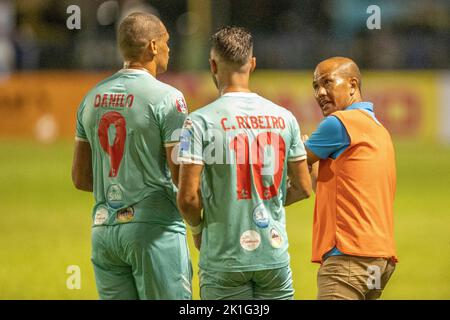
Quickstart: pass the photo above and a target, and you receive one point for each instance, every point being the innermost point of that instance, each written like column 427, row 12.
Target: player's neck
column 355, row 99
column 148, row 67
column 234, row 83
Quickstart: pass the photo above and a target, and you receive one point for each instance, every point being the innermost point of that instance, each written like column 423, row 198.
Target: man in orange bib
column 353, row 234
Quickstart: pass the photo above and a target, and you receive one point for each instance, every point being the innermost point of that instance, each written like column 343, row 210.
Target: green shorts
column 272, row 284
column 141, row 261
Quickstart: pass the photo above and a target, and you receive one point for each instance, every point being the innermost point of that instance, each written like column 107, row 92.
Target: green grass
column 45, row 226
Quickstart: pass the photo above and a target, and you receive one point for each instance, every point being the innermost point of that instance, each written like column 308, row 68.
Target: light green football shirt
column 244, row 142
column 128, row 120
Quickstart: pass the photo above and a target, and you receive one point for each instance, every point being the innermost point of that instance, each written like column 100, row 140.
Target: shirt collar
column 239, row 94
column 134, row 71
column 368, row 106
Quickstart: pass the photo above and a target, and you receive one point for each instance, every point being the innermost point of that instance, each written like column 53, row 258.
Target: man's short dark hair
column 234, row 44
column 135, row 33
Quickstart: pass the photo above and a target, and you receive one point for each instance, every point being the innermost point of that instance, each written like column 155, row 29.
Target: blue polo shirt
column 331, row 139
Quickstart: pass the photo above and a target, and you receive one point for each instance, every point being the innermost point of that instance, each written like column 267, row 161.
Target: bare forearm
column 299, row 183
column 191, row 209
column 83, row 182
column 294, row 194
column 85, row 187
column 82, row 166
column 314, row 172
column 290, row 197
column 189, row 197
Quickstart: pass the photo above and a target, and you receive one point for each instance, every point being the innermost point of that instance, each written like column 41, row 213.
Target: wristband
column 197, row 229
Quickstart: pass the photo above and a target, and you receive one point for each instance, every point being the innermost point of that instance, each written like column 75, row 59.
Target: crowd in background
column 289, row 34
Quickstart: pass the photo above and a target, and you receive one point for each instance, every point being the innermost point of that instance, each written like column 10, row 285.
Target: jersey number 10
column 240, row 145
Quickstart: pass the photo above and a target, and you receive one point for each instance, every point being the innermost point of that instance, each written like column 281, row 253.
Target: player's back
column 128, row 119
column 244, row 179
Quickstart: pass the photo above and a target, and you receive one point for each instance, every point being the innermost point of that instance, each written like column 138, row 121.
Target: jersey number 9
column 116, row 150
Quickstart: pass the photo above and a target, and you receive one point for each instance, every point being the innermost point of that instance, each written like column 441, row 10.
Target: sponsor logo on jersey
column 276, row 240
column 187, row 124
column 181, row 105
column 245, row 194
column 260, row 216
column 250, row 240
column 125, row 215
column 101, row 215
column 114, row 196
column 185, row 136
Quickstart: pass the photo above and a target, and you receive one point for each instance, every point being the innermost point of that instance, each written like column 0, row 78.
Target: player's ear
column 252, row 64
column 152, row 47
column 353, row 86
column 213, row 66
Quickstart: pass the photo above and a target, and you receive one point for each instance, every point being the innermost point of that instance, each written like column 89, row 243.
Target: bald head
column 337, row 84
column 136, row 31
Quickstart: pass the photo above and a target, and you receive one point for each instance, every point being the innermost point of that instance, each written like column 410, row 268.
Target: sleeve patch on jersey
column 187, row 124
column 181, row 105
column 185, row 140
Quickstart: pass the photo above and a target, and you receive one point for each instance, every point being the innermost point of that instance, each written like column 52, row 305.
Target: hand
column 305, row 137
column 198, row 240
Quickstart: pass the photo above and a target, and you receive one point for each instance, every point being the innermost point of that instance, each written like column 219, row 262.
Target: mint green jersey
column 244, row 142
column 128, row 120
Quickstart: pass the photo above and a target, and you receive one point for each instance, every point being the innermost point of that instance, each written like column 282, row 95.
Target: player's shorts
column 272, row 284
column 141, row 261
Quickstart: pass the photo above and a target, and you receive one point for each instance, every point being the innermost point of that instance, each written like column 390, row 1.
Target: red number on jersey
column 241, row 149
column 240, row 145
column 258, row 146
column 115, row 150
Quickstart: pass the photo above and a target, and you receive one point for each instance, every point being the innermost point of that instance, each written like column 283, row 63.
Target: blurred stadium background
column 45, row 70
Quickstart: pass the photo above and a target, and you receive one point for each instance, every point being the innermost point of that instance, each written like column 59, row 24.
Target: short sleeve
column 191, row 141
column 172, row 116
column 80, row 132
column 297, row 149
column 329, row 140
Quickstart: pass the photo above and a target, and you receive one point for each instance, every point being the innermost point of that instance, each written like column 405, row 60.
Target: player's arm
column 329, row 138
column 189, row 198
column 312, row 158
column 171, row 118
column 174, row 167
column 313, row 164
column 300, row 182
column 82, row 166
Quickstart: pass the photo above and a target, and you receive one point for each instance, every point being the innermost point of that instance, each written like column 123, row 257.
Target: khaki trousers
column 353, row 278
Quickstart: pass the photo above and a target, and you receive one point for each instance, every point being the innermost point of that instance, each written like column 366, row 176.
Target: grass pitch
column 45, row 226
